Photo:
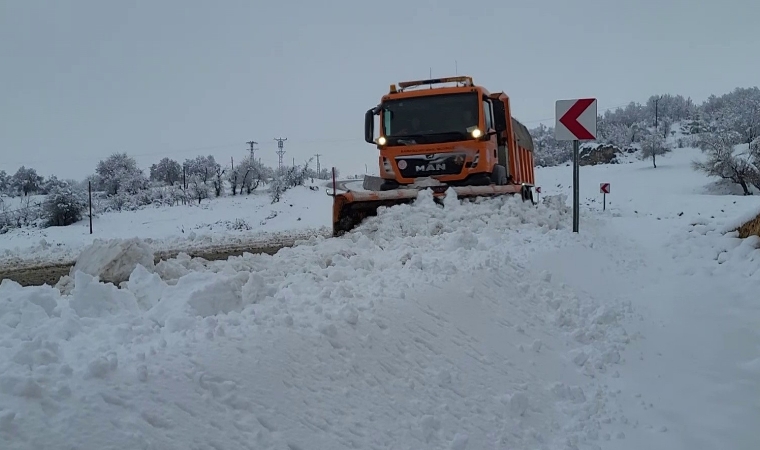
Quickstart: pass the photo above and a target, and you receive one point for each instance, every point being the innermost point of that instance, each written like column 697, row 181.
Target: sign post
column 604, row 188
column 575, row 120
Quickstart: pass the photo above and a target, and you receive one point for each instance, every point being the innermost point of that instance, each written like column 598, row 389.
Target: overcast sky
column 82, row 79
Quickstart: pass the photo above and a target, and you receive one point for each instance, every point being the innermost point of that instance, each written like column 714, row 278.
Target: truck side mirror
column 369, row 126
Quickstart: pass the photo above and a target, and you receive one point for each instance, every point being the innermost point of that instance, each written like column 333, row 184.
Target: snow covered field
column 216, row 222
column 476, row 326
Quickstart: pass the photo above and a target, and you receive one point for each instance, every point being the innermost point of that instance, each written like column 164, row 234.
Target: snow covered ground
column 479, row 326
column 216, row 222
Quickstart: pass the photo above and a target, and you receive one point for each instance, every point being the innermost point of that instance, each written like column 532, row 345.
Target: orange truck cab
column 459, row 135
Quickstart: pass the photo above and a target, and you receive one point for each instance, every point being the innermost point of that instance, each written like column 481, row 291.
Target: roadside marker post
column 575, row 120
column 604, row 188
column 538, row 193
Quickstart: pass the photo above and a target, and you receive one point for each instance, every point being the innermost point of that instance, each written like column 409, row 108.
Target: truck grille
column 413, row 166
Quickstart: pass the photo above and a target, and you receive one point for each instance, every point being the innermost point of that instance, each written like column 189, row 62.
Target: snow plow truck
column 435, row 135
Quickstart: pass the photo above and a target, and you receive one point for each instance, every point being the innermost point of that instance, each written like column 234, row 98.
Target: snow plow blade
column 352, row 207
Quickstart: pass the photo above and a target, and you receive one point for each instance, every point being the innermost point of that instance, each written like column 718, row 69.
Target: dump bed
column 522, row 134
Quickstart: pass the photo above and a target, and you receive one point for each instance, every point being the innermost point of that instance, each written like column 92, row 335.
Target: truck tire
column 499, row 175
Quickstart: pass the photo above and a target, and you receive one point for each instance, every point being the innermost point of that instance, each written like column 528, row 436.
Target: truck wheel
column 499, row 175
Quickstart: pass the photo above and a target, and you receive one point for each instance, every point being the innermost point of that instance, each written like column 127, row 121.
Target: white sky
column 81, row 79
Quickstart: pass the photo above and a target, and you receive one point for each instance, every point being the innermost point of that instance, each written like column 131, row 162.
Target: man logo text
column 430, row 167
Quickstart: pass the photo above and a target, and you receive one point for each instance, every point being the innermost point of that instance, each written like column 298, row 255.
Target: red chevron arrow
column 570, row 119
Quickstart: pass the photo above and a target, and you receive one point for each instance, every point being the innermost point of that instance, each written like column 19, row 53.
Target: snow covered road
column 690, row 376
column 488, row 325
column 426, row 332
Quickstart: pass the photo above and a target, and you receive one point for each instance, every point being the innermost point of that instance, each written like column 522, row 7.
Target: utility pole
column 318, row 172
column 252, row 143
column 280, row 149
column 655, row 112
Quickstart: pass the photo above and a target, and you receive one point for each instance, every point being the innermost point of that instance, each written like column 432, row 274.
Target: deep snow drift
column 424, row 330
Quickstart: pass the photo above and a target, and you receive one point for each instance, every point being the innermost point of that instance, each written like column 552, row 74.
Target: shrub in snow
column 63, row 205
column 288, row 177
column 121, row 201
column 278, row 186
column 22, row 214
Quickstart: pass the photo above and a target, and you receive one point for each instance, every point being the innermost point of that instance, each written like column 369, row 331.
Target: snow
column 225, row 221
column 114, row 260
column 486, row 324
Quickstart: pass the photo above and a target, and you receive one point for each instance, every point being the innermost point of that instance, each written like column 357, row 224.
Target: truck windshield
column 430, row 119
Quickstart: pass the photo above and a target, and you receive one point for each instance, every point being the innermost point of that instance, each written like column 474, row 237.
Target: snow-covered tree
column 653, row 144
column 289, row 177
column 754, row 158
column 167, row 171
column 667, row 106
column 218, row 181
column 25, row 181
column 199, row 189
column 278, row 185
column 738, row 110
column 201, row 166
column 248, row 175
column 91, row 180
column 617, row 134
column 547, row 150
column 63, row 205
column 746, row 113
column 51, row 183
column 723, row 159
column 119, row 172
column 629, row 115
column 297, row 175
column 5, row 182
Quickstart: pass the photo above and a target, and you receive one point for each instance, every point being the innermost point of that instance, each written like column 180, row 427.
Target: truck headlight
column 381, row 140
column 476, row 133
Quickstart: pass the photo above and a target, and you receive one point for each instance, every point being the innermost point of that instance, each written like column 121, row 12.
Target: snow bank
column 423, row 328
column 226, row 221
column 113, row 260
column 732, row 225
column 714, row 248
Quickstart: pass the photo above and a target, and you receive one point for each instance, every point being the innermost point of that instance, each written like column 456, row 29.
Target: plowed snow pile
column 421, row 330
